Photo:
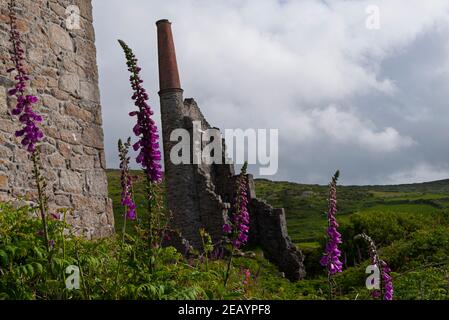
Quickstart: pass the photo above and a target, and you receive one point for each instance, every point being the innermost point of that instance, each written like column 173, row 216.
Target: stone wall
column 192, row 195
column 268, row 228
column 64, row 75
column 200, row 195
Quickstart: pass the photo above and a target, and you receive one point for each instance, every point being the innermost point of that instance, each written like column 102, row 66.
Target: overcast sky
column 370, row 102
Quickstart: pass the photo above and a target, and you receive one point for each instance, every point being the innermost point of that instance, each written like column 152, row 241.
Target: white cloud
column 345, row 127
column 419, row 173
column 267, row 64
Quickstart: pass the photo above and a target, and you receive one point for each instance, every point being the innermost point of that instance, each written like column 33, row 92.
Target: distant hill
column 305, row 204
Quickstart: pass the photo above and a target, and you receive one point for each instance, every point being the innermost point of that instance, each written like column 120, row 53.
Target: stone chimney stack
column 181, row 196
column 199, row 195
column 168, row 67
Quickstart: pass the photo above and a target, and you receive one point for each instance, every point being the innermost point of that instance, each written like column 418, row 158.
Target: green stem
column 62, row 234
column 205, row 253
column 121, row 253
column 63, row 248
column 381, row 280
column 228, row 270
column 41, row 201
column 150, row 212
column 86, row 293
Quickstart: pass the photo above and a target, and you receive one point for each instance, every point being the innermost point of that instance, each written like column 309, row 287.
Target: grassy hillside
column 409, row 223
column 306, row 205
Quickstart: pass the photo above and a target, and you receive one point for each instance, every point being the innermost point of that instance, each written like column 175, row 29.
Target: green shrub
column 112, row 271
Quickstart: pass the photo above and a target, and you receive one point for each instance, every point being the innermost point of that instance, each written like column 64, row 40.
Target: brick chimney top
column 168, row 67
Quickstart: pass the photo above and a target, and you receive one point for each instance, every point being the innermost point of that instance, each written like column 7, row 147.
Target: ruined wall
column 200, row 195
column 191, row 192
column 268, row 228
column 62, row 65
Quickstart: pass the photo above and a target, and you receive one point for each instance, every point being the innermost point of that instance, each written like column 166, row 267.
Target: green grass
column 403, row 208
column 408, row 222
column 114, row 188
column 305, row 205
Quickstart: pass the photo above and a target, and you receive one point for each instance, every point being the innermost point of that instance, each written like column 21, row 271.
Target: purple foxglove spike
column 146, row 129
column 126, row 182
column 331, row 258
column 23, row 108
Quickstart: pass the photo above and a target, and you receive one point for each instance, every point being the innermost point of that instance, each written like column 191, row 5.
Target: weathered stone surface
column 39, row 82
column 65, row 149
column 52, row 132
column 69, row 63
column 66, row 83
column 88, row 92
column 93, row 136
column 60, row 38
column 102, row 159
column 3, row 182
column 85, row 9
column 56, row 160
column 47, row 149
column 97, row 205
column 57, row 8
column 81, row 162
column 7, row 126
column 3, row 104
column 70, row 83
column 69, row 136
column 71, row 181
column 75, row 111
column 96, row 182
column 5, row 152
column 60, row 94
column 63, row 200
column 36, row 55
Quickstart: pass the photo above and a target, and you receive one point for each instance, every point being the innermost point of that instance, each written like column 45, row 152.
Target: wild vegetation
column 402, row 230
column 413, row 238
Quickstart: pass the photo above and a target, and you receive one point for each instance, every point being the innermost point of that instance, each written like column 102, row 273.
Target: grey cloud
column 289, row 65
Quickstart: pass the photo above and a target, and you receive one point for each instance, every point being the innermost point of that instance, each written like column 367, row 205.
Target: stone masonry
column 200, row 195
column 63, row 70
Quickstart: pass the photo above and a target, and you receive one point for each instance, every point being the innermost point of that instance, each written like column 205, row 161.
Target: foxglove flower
column 148, row 146
column 239, row 228
column 56, row 216
column 30, row 133
column 386, row 280
column 331, row 258
column 247, row 277
column 227, row 228
column 126, row 180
